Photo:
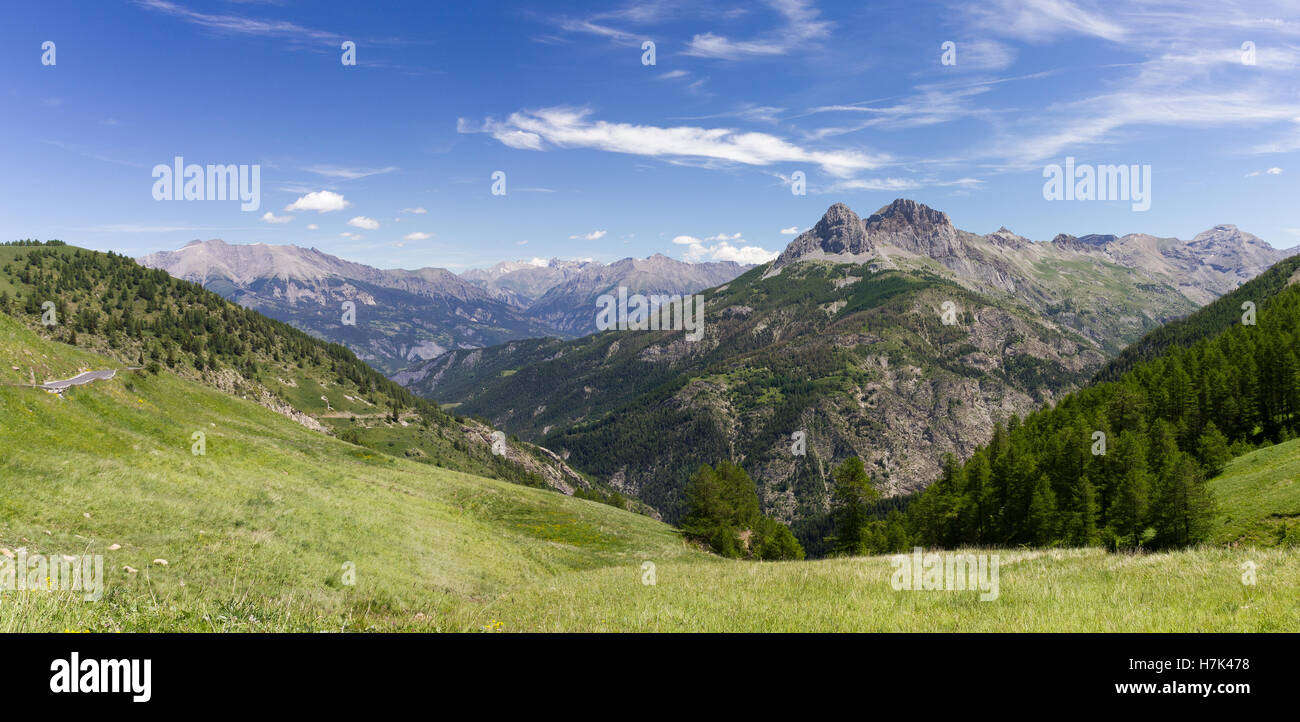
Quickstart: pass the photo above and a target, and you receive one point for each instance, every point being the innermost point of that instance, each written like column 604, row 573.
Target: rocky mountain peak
column 1007, row 238
column 839, row 232
column 1092, row 241
column 915, row 227
column 1225, row 234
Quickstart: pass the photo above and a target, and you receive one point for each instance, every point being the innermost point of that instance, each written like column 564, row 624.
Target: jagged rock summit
column 839, row 233
column 904, row 224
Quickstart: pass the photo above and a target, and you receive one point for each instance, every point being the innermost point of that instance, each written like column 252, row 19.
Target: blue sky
column 606, row 156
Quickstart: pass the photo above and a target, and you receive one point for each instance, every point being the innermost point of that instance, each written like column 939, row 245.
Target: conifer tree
column 850, row 505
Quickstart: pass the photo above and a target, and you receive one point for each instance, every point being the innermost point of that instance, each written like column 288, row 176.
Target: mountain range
column 400, row 317
column 896, row 338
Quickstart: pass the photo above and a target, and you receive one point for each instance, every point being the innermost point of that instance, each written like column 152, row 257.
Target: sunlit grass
column 256, row 533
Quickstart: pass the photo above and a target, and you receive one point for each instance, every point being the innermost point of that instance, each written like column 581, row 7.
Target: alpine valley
column 897, row 338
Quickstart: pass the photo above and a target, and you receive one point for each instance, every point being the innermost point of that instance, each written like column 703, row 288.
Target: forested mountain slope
column 859, row 361
column 1125, row 463
column 107, row 303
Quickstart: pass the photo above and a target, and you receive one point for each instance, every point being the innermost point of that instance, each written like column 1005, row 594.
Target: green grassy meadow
column 1259, row 498
column 256, row 533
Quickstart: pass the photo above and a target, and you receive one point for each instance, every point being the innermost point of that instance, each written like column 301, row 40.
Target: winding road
column 81, row 378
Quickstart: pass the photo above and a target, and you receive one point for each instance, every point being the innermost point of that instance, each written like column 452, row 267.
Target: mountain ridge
column 407, row 316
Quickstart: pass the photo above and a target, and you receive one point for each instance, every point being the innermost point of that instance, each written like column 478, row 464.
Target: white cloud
column 572, row 128
column 801, row 23
column 875, row 184
column 313, row 227
column 1176, row 71
column 417, row 236
column 330, row 171
column 590, row 236
column 722, row 249
column 239, row 25
column 791, row 231
column 415, row 211
column 898, row 184
column 984, row 54
column 270, row 217
column 1271, row 171
column 1039, row 21
column 319, row 201
column 353, row 236
column 368, row 224
column 930, row 106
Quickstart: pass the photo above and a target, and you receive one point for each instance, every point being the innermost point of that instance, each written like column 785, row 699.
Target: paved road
column 82, row 378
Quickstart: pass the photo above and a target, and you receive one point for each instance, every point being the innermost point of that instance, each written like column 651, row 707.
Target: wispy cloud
column 800, row 23
column 239, row 25
column 572, row 128
column 341, row 173
column 1038, row 21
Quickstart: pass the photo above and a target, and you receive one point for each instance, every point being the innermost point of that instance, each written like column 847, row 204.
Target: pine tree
column 1083, row 519
column 850, row 504
column 1041, row 521
column 1212, row 449
column 977, row 501
column 705, row 509
column 1185, row 507
column 1128, row 510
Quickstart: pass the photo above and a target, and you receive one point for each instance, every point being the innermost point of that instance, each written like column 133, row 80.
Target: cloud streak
column 560, row 127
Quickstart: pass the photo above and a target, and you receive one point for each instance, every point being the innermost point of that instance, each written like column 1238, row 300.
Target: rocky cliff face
column 915, row 228
column 839, row 233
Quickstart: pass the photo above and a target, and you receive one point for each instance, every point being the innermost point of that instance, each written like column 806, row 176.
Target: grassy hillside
column 256, row 532
column 1259, row 498
column 108, row 304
